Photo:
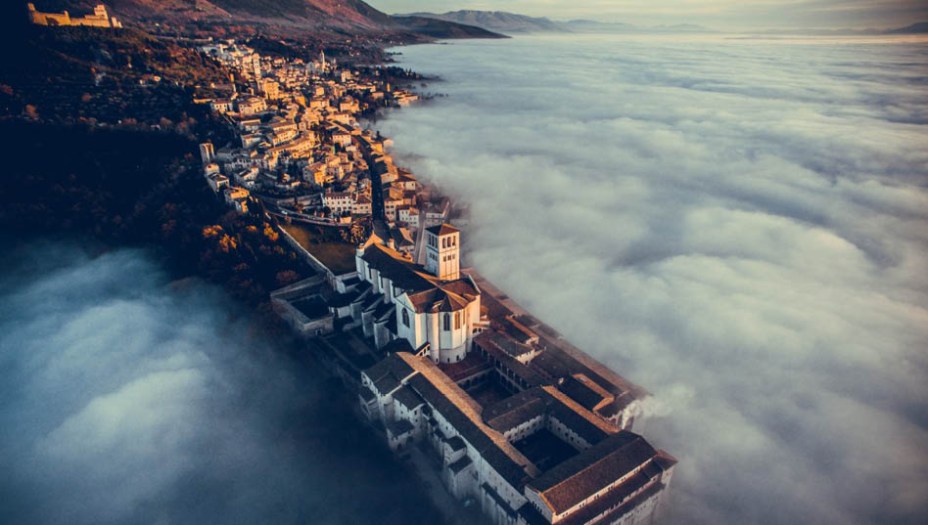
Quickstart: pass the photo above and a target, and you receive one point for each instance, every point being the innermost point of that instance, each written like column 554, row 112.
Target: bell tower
column 443, row 252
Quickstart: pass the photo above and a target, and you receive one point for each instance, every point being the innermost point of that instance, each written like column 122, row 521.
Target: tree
column 227, row 244
column 270, row 233
column 356, row 234
column 211, row 231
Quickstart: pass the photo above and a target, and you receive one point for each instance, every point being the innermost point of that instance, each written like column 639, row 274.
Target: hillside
column 102, row 77
column 352, row 11
column 287, row 17
column 335, row 13
column 914, row 29
column 442, row 29
column 511, row 23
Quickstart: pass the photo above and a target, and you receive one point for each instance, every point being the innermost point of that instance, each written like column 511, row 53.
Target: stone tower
column 443, row 252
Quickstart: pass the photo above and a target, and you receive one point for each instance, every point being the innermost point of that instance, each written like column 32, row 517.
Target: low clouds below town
column 740, row 226
column 125, row 398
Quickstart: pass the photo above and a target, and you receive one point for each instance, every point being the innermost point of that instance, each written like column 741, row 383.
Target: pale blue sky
column 728, row 14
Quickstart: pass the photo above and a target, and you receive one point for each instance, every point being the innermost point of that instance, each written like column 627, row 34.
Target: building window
column 457, row 320
column 447, row 322
column 406, row 317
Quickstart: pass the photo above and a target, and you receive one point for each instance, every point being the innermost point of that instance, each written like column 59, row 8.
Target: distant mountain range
column 511, row 23
column 914, row 29
column 498, row 21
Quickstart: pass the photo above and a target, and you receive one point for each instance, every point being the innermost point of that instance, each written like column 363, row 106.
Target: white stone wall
column 566, row 435
column 461, row 485
column 382, row 335
column 443, row 255
column 415, row 332
column 468, row 482
column 525, row 429
column 534, row 499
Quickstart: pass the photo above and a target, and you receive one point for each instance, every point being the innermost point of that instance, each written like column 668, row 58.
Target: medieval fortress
column 99, row 18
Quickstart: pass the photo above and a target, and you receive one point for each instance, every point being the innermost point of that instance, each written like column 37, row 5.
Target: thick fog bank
column 738, row 225
column 125, row 398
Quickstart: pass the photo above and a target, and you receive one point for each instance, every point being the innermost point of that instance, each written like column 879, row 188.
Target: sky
column 126, row 398
column 738, row 225
column 716, row 14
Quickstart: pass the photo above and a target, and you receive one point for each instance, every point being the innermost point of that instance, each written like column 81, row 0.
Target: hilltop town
column 445, row 365
column 301, row 151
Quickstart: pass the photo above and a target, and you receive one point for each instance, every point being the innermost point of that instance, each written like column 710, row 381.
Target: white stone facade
column 425, row 309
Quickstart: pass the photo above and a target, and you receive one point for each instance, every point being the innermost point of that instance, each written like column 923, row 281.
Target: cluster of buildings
column 299, row 145
column 521, row 423
column 99, row 18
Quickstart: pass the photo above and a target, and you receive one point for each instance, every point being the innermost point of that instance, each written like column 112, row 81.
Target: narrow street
column 377, row 206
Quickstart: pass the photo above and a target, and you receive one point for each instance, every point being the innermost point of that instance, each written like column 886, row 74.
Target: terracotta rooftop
column 515, row 410
column 445, row 297
column 443, row 229
column 392, row 264
column 408, row 397
column 593, row 470
column 617, row 502
column 471, row 365
column 388, row 374
column 548, row 402
column 463, row 413
column 585, row 391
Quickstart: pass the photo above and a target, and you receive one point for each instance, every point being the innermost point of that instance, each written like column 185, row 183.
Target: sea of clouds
column 738, row 225
column 129, row 399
